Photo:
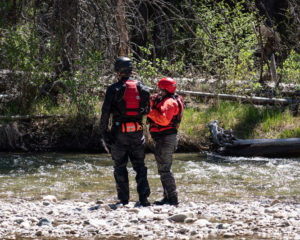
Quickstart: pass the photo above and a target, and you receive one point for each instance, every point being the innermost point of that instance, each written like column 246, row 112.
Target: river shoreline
column 69, row 135
column 50, row 218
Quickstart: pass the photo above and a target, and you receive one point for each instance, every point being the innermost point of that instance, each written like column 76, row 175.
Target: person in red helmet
column 164, row 119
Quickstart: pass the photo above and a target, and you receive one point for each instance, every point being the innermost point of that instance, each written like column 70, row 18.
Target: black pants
column 130, row 145
column 165, row 146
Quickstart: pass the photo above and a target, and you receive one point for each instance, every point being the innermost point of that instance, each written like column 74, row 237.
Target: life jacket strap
column 129, row 127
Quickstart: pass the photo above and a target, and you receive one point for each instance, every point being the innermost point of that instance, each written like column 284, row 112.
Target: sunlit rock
column 202, row 223
column 189, row 220
column 145, row 213
column 228, row 235
column 50, row 198
column 178, row 217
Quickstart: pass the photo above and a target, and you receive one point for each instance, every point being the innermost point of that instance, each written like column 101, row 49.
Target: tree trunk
column 69, row 26
column 12, row 15
column 273, row 70
column 124, row 49
column 65, row 29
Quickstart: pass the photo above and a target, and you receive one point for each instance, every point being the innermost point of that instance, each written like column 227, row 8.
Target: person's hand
column 105, row 139
column 153, row 99
column 104, row 145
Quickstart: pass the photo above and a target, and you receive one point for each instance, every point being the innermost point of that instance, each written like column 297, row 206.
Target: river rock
column 46, row 203
column 271, row 210
column 192, row 205
column 182, row 216
column 178, row 217
column 274, row 202
column 228, row 235
column 133, row 210
column 98, row 222
column 67, row 221
column 183, row 230
column 202, row 223
column 50, row 198
column 145, row 213
column 190, row 220
column 43, row 221
column 25, row 224
column 107, row 208
column 18, row 220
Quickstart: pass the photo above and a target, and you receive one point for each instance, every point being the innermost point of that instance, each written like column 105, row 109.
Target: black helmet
column 123, row 64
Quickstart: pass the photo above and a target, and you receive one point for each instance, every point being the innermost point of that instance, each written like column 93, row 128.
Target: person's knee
column 164, row 168
column 120, row 171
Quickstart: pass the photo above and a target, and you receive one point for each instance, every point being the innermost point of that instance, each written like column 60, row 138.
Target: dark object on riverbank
column 224, row 143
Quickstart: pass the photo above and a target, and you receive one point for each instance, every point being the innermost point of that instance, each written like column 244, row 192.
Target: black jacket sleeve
column 145, row 98
column 106, row 110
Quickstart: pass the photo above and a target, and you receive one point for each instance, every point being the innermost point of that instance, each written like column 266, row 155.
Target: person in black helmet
column 127, row 100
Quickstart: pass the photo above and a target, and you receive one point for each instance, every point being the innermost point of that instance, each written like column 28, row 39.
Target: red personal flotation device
column 132, row 98
column 174, row 123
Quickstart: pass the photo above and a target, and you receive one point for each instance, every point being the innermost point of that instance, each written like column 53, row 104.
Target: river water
column 199, row 177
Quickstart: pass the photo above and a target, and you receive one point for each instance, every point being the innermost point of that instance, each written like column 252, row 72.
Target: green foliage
column 246, row 121
column 83, row 84
column 228, row 40
column 290, row 133
column 148, row 72
column 21, row 50
column 290, row 71
column 224, row 45
column 145, row 67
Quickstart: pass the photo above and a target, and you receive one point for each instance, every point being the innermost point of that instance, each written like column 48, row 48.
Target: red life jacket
column 132, row 98
column 174, row 123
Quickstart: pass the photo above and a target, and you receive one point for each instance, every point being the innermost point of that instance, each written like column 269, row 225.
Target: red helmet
column 167, row 84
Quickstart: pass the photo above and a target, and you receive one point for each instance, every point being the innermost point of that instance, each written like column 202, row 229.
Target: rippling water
column 199, row 177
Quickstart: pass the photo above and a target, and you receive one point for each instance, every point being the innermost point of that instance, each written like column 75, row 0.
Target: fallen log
column 224, row 143
column 244, row 99
column 282, row 148
column 29, row 117
column 5, row 97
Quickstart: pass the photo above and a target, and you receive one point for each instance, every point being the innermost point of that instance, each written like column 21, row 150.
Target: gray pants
column 165, row 146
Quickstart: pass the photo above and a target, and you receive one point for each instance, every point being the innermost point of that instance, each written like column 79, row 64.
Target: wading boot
column 165, row 200
column 114, row 206
column 173, row 201
column 142, row 203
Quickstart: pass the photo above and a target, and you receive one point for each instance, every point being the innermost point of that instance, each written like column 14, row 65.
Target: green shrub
column 228, row 38
column 290, row 71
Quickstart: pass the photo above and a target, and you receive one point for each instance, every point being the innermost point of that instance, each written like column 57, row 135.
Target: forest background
column 57, row 59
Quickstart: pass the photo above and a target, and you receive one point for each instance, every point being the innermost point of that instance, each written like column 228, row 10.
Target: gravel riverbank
column 50, row 218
